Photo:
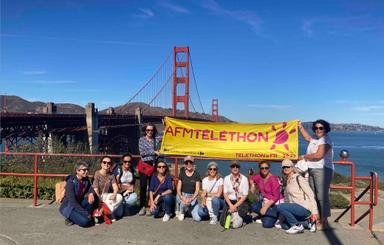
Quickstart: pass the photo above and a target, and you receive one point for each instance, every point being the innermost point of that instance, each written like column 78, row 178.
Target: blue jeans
column 193, row 207
column 217, row 205
column 80, row 217
column 164, row 203
column 293, row 214
column 269, row 218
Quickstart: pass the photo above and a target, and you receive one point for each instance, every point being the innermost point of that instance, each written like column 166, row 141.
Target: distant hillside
column 348, row 127
column 158, row 111
column 17, row 104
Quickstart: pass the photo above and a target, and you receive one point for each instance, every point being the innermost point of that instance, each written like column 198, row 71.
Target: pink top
column 269, row 189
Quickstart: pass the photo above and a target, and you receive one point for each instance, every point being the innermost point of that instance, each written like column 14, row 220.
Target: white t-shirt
column 126, row 177
column 208, row 184
column 326, row 161
column 243, row 188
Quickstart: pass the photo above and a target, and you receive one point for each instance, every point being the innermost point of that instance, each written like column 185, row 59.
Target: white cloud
column 270, row 106
column 341, row 25
column 47, row 82
column 37, row 72
column 248, row 17
column 147, row 13
column 171, row 6
column 81, row 40
column 369, row 108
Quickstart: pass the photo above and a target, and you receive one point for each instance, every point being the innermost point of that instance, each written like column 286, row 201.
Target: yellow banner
column 274, row 141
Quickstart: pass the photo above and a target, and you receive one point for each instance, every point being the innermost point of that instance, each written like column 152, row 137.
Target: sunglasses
column 318, row 128
column 285, row 167
column 212, row 169
column 83, row 169
column 126, row 161
column 235, row 166
column 161, row 166
column 264, row 168
column 105, row 162
column 149, row 130
column 188, row 162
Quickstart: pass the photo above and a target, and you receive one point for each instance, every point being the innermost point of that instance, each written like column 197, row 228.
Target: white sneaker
column 181, row 216
column 295, row 229
column 213, row 220
column 312, row 226
column 166, row 217
column 258, row 221
column 278, row 225
column 142, row 211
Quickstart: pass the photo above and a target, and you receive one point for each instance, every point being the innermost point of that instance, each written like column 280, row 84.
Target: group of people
column 292, row 203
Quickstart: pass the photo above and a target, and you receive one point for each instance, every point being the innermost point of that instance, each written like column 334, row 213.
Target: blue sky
column 265, row 61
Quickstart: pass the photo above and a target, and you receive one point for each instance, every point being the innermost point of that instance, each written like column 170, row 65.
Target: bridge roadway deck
column 22, row 224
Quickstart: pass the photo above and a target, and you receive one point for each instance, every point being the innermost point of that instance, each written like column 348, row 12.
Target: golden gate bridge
column 171, row 91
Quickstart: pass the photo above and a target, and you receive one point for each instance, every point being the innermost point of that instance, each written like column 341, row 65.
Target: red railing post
column 353, row 194
column 36, row 171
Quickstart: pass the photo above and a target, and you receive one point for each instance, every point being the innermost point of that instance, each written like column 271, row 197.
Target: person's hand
column 314, row 217
column 157, row 153
column 299, row 125
column 156, row 199
column 126, row 193
column 112, row 197
column 152, row 207
column 232, row 208
column 263, row 210
column 91, row 198
column 203, row 203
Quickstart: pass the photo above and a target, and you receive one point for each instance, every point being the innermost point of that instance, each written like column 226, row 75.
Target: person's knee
column 83, row 222
column 168, row 198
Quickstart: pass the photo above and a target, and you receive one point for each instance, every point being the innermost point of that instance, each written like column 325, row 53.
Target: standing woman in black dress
column 149, row 146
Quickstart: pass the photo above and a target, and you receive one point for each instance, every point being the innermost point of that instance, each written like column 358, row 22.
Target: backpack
column 60, row 191
column 298, row 182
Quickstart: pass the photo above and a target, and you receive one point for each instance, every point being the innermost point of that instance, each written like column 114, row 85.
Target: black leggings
column 144, row 181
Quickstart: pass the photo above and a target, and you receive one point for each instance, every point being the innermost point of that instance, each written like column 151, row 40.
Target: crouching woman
column 160, row 192
column 300, row 208
column 79, row 197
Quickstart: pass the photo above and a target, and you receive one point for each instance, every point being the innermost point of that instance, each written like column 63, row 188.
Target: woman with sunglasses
column 106, row 188
column 160, row 192
column 319, row 158
column 149, row 146
column 299, row 209
column 211, row 195
column 126, row 182
column 236, row 187
column 269, row 194
column 79, row 197
column 188, row 188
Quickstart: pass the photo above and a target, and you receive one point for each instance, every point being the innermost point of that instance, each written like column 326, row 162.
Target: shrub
column 337, row 200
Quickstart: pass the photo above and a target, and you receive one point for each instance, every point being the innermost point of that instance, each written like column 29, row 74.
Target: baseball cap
column 287, row 163
column 189, row 158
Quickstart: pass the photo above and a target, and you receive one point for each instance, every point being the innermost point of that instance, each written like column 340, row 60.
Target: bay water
column 366, row 150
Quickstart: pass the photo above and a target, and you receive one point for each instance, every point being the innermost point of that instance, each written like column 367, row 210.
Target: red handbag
column 145, row 168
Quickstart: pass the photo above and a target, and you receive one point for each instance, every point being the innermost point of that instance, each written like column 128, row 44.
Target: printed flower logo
column 282, row 136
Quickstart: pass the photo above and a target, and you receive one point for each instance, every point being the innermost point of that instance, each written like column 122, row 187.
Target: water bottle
column 227, row 222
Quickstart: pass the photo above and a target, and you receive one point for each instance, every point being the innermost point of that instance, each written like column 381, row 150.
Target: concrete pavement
column 21, row 224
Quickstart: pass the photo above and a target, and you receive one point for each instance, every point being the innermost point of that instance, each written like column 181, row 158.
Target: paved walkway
column 22, row 224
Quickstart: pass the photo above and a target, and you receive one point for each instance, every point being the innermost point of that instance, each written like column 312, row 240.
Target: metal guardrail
column 372, row 187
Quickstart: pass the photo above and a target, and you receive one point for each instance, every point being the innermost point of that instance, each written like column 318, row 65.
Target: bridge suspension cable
column 194, row 79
